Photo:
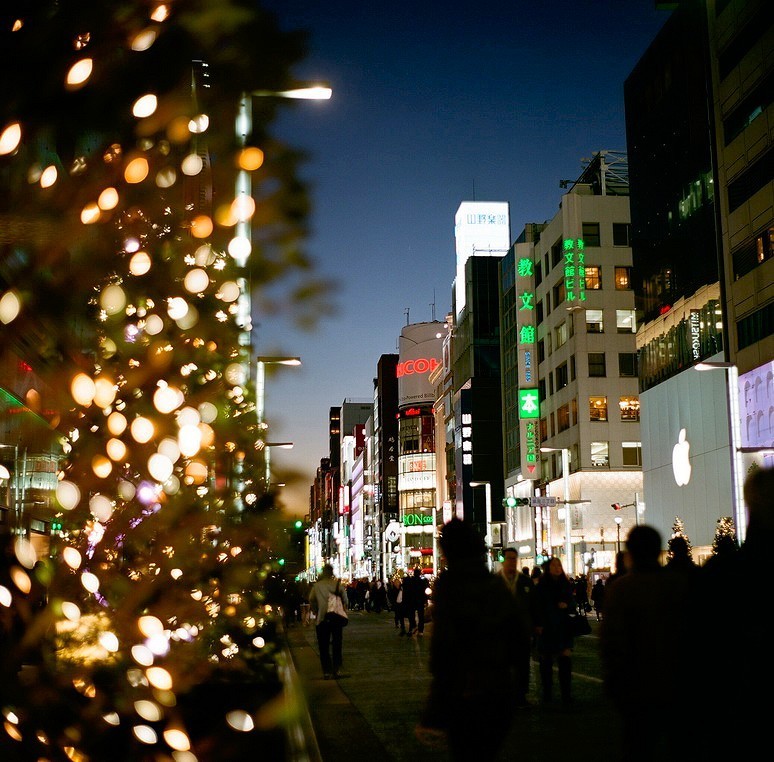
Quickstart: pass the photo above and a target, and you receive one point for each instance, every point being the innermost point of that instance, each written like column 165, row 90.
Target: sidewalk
column 371, row 714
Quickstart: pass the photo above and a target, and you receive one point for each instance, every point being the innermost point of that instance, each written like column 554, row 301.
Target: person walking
column 414, row 601
column 470, row 701
column 329, row 629
column 648, row 646
column 395, row 597
column 554, row 602
column 598, row 596
column 521, row 589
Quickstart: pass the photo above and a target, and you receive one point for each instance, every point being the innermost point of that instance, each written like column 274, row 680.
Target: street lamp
column 735, row 437
column 488, row 496
column 567, row 518
column 618, row 521
column 260, row 397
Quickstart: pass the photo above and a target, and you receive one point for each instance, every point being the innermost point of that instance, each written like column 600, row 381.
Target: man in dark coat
column 414, row 600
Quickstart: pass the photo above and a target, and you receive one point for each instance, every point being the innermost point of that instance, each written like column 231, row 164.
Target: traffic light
column 616, row 506
column 512, row 502
column 56, row 526
column 299, row 524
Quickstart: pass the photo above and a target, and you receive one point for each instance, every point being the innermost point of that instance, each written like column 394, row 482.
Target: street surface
column 370, row 714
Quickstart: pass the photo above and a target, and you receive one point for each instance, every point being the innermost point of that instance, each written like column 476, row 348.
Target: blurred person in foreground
column 648, row 646
column 737, row 661
column 471, row 698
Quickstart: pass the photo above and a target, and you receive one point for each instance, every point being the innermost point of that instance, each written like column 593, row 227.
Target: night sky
column 434, row 103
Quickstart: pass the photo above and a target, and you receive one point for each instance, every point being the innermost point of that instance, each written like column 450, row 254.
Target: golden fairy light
column 136, row 170
column 196, row 281
column 108, row 199
column 177, row 739
column 239, row 247
column 199, row 124
column 159, row 678
column 101, row 507
column 160, row 12
column 104, row 391
column 5, row 596
column 116, row 450
column 70, row 610
column 68, row 494
column 79, row 73
column 201, row 226
column 166, row 177
column 140, row 263
column 145, row 106
column 142, row 430
column 90, row 214
column 83, row 389
column 10, row 138
column 192, row 165
column 250, row 158
column 101, row 466
column 240, row 720
column 144, row 39
column 189, row 440
column 167, row 398
column 10, row 306
column 72, row 557
column 160, row 467
column 112, row 299
column 148, row 710
column 177, row 307
column 228, row 291
column 145, row 734
column 48, row 176
column 142, row 655
column 116, row 423
column 154, row 325
column 90, row 582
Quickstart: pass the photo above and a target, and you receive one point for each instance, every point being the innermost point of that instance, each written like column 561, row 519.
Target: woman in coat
column 553, row 604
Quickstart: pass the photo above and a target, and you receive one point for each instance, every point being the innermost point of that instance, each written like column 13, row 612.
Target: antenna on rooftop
column 407, row 310
column 432, row 307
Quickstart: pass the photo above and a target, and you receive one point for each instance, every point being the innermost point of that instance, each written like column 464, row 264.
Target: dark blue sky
column 434, row 103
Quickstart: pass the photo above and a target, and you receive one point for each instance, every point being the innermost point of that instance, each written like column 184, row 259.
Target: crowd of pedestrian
column 667, row 649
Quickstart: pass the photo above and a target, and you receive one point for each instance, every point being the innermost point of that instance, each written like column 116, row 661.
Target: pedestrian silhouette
column 329, row 630
column 471, row 695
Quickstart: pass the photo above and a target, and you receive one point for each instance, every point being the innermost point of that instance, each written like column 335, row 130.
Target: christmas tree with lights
column 122, row 249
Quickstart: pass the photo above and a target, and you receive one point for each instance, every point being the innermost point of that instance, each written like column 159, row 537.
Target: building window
column 600, row 454
column 553, row 425
column 541, row 351
column 560, row 332
column 621, row 233
column 561, row 376
column 543, row 429
column 559, row 293
column 630, row 408
column 538, row 273
column 598, row 408
column 550, row 383
column 539, row 313
column 594, row 322
column 632, row 453
column 556, row 253
column 563, row 418
column 625, row 322
column 591, row 234
column 542, row 390
column 623, row 278
column 593, row 277
column 597, row 365
column 572, row 367
column 627, row 364
column 574, row 410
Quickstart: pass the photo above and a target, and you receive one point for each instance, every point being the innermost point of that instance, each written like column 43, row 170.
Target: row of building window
column 599, row 453
column 564, row 373
column 566, row 415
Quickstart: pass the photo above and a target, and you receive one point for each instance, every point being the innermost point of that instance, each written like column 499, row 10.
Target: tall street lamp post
column 260, row 400
column 569, row 560
column 618, row 534
column 735, row 436
column 488, row 496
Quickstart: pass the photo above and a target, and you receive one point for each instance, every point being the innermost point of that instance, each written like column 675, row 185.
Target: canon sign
column 419, row 354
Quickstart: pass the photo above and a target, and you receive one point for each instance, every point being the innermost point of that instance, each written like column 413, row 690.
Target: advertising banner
column 419, row 353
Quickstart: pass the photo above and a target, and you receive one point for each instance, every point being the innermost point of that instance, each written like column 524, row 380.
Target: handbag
column 336, row 613
column 579, row 625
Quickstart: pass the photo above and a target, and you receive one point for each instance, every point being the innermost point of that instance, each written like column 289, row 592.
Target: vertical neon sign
column 574, row 270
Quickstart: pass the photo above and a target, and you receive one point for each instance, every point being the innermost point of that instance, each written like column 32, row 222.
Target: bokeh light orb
column 68, row 494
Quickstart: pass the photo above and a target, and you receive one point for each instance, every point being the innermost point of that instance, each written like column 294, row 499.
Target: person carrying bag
column 329, row 603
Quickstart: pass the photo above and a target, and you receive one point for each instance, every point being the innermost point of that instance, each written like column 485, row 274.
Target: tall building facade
column 419, row 350
column 571, row 283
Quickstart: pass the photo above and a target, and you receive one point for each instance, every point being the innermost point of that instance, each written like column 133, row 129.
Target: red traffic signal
column 616, row 506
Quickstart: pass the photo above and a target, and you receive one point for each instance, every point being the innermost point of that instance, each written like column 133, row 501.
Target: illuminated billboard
column 419, row 354
column 481, row 229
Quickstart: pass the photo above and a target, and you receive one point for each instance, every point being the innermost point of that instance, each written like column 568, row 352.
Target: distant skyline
column 434, row 103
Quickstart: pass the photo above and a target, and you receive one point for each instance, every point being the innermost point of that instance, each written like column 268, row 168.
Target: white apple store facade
column 687, row 430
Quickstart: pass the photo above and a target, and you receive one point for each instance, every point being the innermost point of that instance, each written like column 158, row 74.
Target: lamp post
column 618, row 520
column 488, row 497
column 266, row 447
column 569, row 560
column 260, row 397
column 5, row 474
column 735, row 436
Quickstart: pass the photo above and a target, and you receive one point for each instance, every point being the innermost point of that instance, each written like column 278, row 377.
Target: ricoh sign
column 419, row 354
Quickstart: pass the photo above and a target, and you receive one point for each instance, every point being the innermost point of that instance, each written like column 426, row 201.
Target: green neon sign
column 529, row 403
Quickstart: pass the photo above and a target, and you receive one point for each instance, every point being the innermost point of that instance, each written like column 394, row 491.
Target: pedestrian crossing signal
column 616, row 506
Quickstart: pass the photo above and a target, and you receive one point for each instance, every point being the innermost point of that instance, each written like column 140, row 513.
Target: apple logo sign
column 681, row 465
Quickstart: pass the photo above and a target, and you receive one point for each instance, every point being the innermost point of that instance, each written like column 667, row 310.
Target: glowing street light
column 735, row 437
column 569, row 561
column 311, row 92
